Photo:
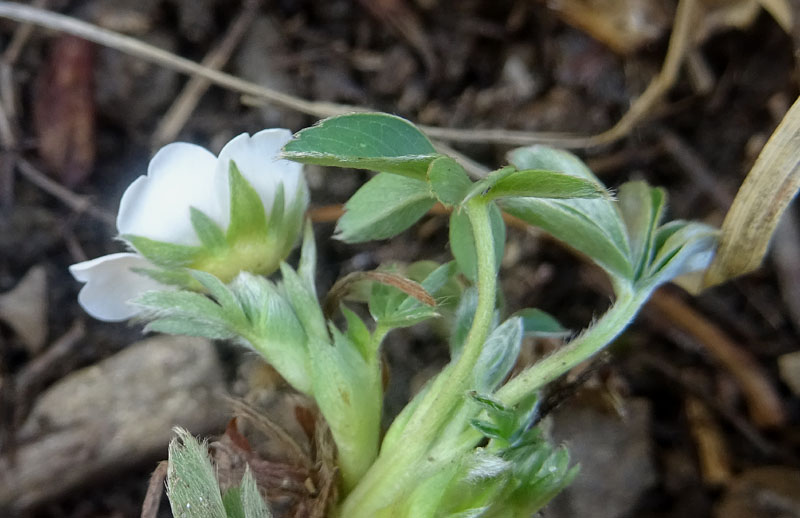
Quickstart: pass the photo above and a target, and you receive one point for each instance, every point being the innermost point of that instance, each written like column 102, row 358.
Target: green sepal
column 212, row 237
column 374, row 141
column 164, row 254
column 247, row 214
column 192, row 486
column 383, row 207
column 462, row 240
column 448, row 181
column 181, row 277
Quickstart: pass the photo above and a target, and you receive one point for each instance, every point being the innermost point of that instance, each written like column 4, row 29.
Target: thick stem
column 395, row 471
column 587, row 344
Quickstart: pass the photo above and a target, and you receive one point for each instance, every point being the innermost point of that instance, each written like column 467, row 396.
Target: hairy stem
column 584, row 346
column 400, row 464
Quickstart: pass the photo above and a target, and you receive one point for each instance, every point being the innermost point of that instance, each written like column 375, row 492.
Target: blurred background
column 694, row 413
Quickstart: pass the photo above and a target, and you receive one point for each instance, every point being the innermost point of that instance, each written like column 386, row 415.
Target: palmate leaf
column 374, row 141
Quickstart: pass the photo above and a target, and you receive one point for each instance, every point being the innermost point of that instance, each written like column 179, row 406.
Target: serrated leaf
column 374, row 141
column 540, row 324
column 593, row 226
column 641, row 207
column 383, row 207
column 192, row 487
column 499, row 354
column 247, row 214
column 539, row 183
column 207, row 230
column 163, row 254
column 448, row 180
column 462, row 240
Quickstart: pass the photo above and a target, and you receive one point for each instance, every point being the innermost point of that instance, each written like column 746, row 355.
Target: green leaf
column 465, row 313
column 374, row 141
column 448, row 180
column 232, row 500
column 357, row 331
column 305, row 305
column 183, row 303
column 641, row 207
column 462, row 240
column 273, row 329
column 538, row 183
column 164, row 254
column 192, row 487
column 383, row 207
column 594, row 226
column 190, row 327
column 485, row 184
column 683, row 247
column 499, row 354
column 252, row 502
column 537, row 323
column 307, row 266
column 248, row 217
column 207, row 230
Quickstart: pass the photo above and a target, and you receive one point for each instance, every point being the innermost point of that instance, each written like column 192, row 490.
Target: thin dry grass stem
column 76, row 202
column 186, row 102
column 680, row 41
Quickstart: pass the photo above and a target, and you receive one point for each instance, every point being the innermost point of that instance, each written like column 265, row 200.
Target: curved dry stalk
column 679, row 43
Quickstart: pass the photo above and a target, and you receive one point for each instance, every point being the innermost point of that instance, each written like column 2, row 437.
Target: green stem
column 396, row 470
column 587, row 344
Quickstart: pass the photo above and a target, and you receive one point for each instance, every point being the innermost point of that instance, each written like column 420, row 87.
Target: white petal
column 256, row 158
column 110, row 284
column 156, row 206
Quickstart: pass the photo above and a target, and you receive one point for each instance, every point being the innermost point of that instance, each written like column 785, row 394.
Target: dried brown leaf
column 766, row 192
column 63, row 110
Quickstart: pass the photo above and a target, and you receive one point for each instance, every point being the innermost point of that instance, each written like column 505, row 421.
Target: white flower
column 155, row 218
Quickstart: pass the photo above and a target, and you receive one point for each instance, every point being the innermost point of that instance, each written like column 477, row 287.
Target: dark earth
column 696, row 410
